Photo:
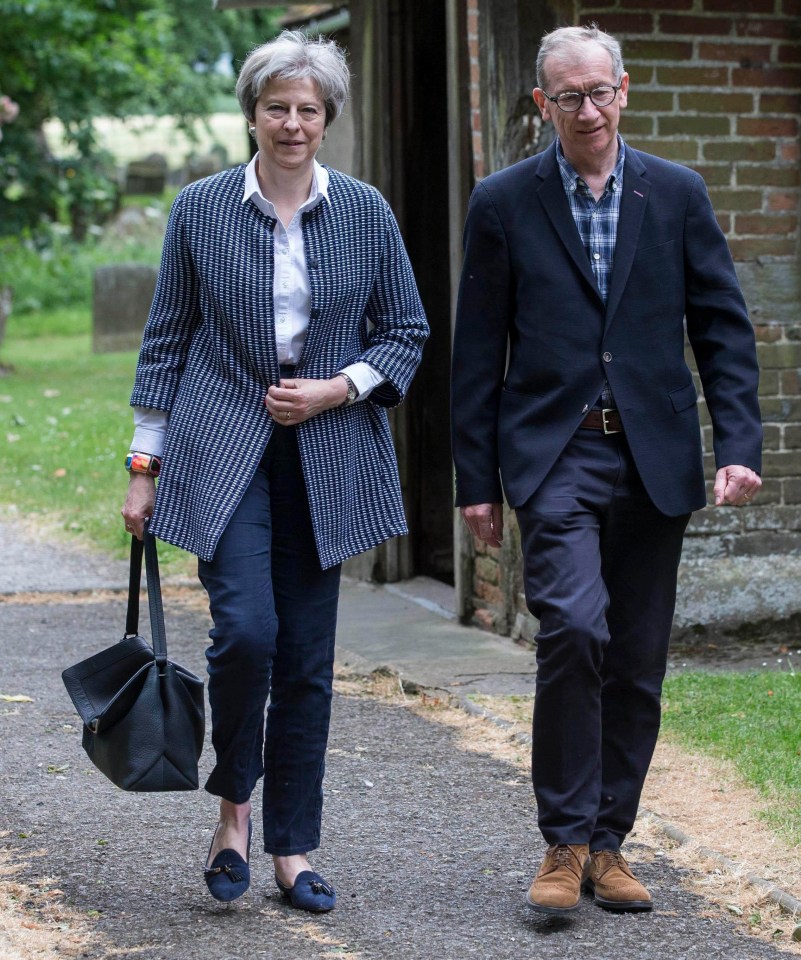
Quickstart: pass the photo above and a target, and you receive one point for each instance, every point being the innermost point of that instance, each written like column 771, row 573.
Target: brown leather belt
column 607, row 420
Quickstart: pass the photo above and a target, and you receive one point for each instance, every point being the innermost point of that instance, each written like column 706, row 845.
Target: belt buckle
column 604, row 422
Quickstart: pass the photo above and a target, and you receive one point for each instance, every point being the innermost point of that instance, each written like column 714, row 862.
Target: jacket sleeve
column 721, row 336
column 483, row 314
column 173, row 318
column 398, row 326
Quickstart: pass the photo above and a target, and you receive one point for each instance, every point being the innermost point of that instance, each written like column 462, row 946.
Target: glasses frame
column 578, row 93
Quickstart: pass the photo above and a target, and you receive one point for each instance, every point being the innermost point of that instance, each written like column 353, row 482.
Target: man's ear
column 542, row 102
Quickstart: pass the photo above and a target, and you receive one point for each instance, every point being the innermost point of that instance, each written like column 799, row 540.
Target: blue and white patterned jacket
column 208, row 356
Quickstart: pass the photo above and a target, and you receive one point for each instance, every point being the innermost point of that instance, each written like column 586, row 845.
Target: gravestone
column 123, row 293
column 148, row 175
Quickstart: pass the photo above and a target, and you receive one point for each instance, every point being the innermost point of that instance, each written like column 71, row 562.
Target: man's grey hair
column 566, row 42
column 294, row 56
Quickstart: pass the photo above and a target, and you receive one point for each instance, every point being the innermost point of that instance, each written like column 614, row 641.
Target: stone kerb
column 123, row 293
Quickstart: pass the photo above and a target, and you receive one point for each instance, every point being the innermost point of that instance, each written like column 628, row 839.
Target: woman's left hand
column 294, row 401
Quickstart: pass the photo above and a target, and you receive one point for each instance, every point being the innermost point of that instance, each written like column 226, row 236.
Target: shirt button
column 607, row 357
column 596, row 256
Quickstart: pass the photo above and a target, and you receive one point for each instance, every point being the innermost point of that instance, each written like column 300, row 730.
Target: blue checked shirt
column 596, row 221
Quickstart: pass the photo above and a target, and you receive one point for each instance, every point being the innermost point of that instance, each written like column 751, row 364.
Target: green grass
column 65, row 422
column 65, row 426
column 752, row 720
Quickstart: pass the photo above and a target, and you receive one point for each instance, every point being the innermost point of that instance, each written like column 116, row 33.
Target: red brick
column 476, row 121
column 653, row 101
column 767, row 27
column 718, row 175
column 695, row 126
column 767, row 127
column 789, row 53
column 623, row 23
column 599, row 5
column 790, row 382
column 780, row 103
column 746, row 54
column 693, row 76
column 679, row 150
column 750, row 151
column 791, row 152
column 771, row 77
column 764, row 226
column 640, row 75
column 735, row 103
column 783, row 202
column 736, row 200
column 641, row 124
column 768, row 332
column 743, row 6
column 767, row 176
column 657, row 50
column 663, row 4
column 695, row 26
column 724, row 222
column 489, row 593
column 791, row 8
column 749, row 248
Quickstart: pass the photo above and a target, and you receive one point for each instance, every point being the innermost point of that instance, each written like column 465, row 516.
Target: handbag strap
column 159, row 635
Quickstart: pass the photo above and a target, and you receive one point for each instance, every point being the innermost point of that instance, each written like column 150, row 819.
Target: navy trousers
column 274, row 611
column 600, row 566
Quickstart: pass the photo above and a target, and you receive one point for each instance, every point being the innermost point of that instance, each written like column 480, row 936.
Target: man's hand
column 294, row 401
column 485, row 521
column 736, row 485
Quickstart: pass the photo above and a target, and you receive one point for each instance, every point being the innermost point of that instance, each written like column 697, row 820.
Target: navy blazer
column 209, row 354
column 528, row 298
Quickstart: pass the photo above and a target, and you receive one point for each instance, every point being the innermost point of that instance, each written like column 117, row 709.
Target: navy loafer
column 228, row 875
column 310, row 892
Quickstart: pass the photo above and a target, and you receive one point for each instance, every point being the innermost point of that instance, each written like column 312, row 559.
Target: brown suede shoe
column 614, row 886
column 557, row 886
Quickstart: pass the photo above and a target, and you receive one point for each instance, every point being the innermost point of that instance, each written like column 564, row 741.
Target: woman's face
column 290, row 122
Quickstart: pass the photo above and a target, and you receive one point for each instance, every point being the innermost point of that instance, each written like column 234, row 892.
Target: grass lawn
column 754, row 721
column 66, row 426
column 65, row 422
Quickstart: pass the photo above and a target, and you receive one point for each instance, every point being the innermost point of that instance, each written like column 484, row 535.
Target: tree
column 78, row 60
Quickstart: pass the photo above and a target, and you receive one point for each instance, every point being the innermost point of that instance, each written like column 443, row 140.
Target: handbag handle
column 159, row 634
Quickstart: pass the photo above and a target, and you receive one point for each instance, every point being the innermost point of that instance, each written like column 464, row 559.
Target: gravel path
column 431, row 847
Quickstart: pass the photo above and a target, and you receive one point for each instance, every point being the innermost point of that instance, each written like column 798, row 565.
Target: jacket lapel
column 632, row 209
column 552, row 196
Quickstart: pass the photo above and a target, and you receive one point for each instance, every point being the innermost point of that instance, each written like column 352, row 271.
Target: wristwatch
column 353, row 393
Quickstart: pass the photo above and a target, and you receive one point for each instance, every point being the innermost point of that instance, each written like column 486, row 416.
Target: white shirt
column 291, row 303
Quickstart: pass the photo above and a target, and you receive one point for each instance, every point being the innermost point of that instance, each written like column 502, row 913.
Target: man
column 571, row 389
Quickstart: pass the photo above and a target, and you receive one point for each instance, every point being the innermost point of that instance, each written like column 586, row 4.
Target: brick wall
column 715, row 85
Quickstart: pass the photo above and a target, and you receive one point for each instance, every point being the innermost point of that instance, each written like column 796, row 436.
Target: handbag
column 143, row 715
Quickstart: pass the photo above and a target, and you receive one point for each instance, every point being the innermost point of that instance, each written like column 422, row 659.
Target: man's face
column 588, row 135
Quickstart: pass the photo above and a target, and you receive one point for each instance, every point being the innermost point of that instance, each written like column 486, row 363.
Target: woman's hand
column 294, row 401
column 138, row 506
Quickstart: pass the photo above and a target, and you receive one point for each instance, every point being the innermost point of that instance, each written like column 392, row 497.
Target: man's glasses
column 571, row 100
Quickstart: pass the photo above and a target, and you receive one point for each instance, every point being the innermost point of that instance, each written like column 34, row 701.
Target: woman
column 285, row 320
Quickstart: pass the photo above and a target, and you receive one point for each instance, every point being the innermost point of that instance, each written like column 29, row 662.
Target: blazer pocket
column 656, row 252
column 684, row 397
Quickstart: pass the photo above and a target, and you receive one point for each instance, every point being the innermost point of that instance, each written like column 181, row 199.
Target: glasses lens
column 602, row 96
column 569, row 101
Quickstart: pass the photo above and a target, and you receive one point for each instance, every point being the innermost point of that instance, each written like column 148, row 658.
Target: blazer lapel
column 632, row 209
column 552, row 196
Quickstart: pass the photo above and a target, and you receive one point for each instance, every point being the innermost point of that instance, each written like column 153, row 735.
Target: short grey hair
column 295, row 56
column 560, row 43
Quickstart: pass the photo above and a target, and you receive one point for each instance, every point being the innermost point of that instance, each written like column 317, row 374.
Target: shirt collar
column 570, row 178
column 318, row 192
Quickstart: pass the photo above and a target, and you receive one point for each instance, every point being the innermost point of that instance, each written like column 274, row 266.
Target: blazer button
column 607, row 357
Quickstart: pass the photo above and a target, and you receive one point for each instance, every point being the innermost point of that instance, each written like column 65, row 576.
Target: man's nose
column 588, row 109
